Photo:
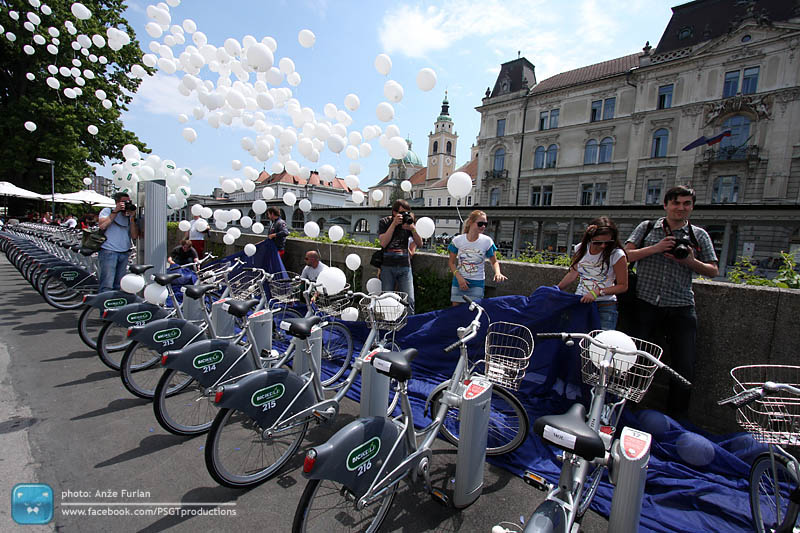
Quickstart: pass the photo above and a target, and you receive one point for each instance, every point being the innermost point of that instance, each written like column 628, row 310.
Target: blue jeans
column 608, row 314
column 399, row 278
column 112, row 266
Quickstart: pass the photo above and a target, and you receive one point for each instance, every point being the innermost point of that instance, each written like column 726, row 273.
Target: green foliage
column 347, row 240
column 441, row 249
column 172, row 227
column 744, row 272
column 61, row 133
column 539, row 257
column 788, row 277
column 431, row 290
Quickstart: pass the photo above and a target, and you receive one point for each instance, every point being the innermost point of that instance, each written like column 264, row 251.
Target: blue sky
column 464, row 41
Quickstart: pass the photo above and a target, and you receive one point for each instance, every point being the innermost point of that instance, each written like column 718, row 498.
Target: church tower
column 442, row 146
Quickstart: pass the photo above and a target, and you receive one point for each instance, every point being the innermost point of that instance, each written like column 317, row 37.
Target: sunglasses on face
column 482, row 224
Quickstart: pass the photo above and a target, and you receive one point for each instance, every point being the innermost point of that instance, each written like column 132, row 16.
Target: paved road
column 66, row 420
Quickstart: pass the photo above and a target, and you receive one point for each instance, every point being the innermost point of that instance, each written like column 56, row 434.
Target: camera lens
column 680, row 251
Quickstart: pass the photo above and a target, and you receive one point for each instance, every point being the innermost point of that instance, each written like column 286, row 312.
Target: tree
column 62, row 123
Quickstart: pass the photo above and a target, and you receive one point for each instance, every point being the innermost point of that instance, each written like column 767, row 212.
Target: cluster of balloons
column 127, row 175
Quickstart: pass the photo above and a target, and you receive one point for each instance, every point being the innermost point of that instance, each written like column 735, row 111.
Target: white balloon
column 228, row 239
column 391, row 309
column 289, row 198
column 351, row 181
column 201, row 224
column 304, row 205
column 53, row 83
column 246, row 222
column 131, row 283
column 293, row 79
column 286, row 65
column 336, row 233
column 248, row 186
column 384, row 112
column 250, row 249
column 333, row 280
column 377, row 195
column 327, row 172
column 258, row 227
column 393, row 91
column 374, row 286
column 353, row 261
column 306, row 38
column 405, row 185
column 619, row 340
column 190, row 134
column 383, row 64
column 277, row 167
column 459, row 184
column 184, row 225
column 260, row 57
column 259, row 206
column 197, row 210
column 349, row 314
column 30, row 126
column 155, row 294
column 425, row 227
column 336, row 143
column 352, row 102
column 268, row 193
column 87, row 181
column 426, row 79
column 311, row 229
column 234, row 232
column 80, row 11
column 397, row 147
column 228, row 186
column 358, row 197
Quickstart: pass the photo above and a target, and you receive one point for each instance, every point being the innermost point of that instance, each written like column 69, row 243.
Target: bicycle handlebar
column 748, row 396
column 568, row 338
column 469, row 332
column 381, row 296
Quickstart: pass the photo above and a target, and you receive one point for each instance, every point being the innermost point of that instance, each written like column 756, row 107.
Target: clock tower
column 442, row 146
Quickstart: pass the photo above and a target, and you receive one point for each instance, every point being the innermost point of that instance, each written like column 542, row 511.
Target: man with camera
column 119, row 225
column 394, row 232
column 668, row 252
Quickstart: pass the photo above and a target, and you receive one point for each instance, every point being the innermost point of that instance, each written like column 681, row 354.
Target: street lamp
column 52, row 181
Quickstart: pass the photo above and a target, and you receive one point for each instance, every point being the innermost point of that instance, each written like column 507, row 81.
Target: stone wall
column 738, row 324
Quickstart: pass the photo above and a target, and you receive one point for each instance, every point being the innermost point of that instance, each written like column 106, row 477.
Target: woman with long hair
column 600, row 265
column 468, row 252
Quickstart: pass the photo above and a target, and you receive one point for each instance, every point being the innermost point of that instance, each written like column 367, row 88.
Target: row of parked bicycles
column 251, row 359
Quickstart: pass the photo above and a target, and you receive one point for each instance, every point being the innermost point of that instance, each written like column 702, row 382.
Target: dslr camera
column 408, row 218
column 129, row 206
column 681, row 248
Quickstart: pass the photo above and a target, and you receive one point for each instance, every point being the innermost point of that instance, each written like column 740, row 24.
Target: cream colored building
column 611, row 135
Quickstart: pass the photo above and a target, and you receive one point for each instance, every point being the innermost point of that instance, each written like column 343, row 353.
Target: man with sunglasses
column 664, row 294
column 394, row 232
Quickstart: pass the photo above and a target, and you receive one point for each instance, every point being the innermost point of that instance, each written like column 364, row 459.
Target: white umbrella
column 9, row 189
column 86, row 197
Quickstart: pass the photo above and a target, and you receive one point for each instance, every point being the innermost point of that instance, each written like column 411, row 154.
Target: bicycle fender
column 165, row 334
column 135, row 314
column 547, row 518
column 71, row 275
column 110, row 300
column 266, row 394
column 356, row 453
column 208, row 360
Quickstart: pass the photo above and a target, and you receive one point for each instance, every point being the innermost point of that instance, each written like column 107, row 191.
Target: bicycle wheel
column 328, row 506
column 140, row 370
column 280, row 338
column 58, row 295
column 238, row 456
column 770, row 490
column 508, row 422
column 111, row 344
column 590, row 485
column 89, row 325
column 337, row 350
column 180, row 405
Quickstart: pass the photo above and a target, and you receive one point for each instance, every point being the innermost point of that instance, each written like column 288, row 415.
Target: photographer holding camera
column 394, row 232
column 119, row 225
column 668, row 251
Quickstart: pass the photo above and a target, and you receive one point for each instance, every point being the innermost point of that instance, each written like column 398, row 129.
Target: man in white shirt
column 70, row 222
column 313, row 266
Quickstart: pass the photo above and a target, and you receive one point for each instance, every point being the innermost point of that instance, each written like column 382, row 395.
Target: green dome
column 410, row 159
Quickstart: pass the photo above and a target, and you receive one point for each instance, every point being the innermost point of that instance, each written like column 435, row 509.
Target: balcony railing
column 732, row 153
column 496, row 174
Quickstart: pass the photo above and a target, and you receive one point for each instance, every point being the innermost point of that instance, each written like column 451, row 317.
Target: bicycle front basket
column 508, row 350
column 774, row 419
column 386, row 314
column 333, row 304
column 285, row 286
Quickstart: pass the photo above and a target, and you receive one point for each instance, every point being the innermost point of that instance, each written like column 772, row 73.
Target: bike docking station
column 375, row 388
column 474, row 411
column 222, row 322
column 630, row 456
column 151, row 199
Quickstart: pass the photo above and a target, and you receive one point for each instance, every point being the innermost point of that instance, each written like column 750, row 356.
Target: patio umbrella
column 86, row 197
column 9, row 189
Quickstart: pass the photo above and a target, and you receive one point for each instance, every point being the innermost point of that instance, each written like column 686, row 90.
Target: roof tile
column 598, row 71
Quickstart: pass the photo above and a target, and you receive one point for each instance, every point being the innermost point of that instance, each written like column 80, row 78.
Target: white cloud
column 159, row 95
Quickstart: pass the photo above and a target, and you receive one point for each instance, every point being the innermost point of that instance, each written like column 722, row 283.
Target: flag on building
column 707, row 141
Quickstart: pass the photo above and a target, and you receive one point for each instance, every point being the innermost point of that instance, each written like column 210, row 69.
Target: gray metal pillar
column 570, row 235
column 726, row 243
column 153, row 216
column 539, row 234
column 515, row 239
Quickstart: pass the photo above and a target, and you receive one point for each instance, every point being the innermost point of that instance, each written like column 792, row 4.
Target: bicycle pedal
column 325, row 415
column 536, row 481
column 440, row 497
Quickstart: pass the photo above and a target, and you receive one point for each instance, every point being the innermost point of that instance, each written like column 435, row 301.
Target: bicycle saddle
column 166, row 279
column 75, row 247
column 139, row 269
column 300, row 327
column 396, row 365
column 562, row 429
column 239, row 307
column 85, row 251
column 196, row 291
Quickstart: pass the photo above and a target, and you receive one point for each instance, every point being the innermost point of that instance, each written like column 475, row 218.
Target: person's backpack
column 93, row 239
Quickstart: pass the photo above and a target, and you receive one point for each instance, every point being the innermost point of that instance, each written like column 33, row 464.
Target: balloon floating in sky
column 30, row 126
column 306, row 38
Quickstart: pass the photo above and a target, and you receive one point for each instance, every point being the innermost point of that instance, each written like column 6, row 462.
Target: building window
column 665, row 96
column 438, row 202
column 554, row 118
column 538, row 159
column 606, row 149
column 731, row 86
column 594, row 193
column 430, row 201
column 660, row 141
column 608, row 108
column 435, row 146
column 735, row 146
column 448, row 200
column 685, row 33
column 590, row 152
column 726, row 190
column 552, row 156
column 547, row 195
column 494, row 196
column 543, row 120
column 597, row 108
column 750, row 80
column 536, row 195
column 362, row 226
column 449, row 147
column 469, row 200
column 654, row 192
column 501, row 127
column 499, row 159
